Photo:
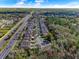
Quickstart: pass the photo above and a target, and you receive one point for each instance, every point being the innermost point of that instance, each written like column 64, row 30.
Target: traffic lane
column 5, row 37
column 3, row 40
column 7, row 49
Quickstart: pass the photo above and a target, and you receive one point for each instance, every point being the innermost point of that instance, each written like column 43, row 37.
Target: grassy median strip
column 3, row 31
column 15, row 26
column 4, row 45
column 8, row 41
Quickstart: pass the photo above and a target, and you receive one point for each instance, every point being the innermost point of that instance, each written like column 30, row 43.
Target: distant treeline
column 13, row 12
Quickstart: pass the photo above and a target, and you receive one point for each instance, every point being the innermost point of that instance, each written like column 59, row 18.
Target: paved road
column 2, row 40
column 31, row 23
column 43, row 27
column 6, row 51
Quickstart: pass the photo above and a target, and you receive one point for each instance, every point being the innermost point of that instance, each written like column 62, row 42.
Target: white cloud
column 39, row 1
column 38, row 4
column 68, row 5
column 21, row 3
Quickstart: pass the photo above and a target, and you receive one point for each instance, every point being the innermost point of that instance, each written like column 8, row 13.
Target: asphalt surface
column 34, row 27
column 6, row 51
column 2, row 40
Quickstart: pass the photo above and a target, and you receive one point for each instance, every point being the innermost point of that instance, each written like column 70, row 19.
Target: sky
column 39, row 3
